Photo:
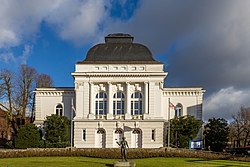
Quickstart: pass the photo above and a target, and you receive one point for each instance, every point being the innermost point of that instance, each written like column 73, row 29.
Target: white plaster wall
column 47, row 100
column 109, row 126
column 189, row 100
column 119, row 68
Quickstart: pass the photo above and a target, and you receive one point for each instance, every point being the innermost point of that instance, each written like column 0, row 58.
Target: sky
column 201, row 42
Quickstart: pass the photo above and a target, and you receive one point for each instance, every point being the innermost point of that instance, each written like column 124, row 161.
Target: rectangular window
column 84, row 134
column 153, row 135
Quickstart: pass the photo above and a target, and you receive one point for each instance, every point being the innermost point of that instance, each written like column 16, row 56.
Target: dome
column 119, row 49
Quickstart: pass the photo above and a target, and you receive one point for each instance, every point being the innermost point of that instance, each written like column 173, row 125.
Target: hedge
column 114, row 153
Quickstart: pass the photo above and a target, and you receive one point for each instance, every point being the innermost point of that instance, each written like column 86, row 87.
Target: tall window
column 153, row 135
column 59, row 110
column 84, row 134
column 118, row 103
column 178, row 110
column 101, row 103
column 136, row 103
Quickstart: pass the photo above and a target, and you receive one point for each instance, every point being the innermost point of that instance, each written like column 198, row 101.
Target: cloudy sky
column 201, row 42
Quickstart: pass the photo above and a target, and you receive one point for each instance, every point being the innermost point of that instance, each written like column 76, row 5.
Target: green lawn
column 92, row 162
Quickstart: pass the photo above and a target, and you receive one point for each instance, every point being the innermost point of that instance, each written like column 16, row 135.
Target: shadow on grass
column 212, row 162
column 110, row 165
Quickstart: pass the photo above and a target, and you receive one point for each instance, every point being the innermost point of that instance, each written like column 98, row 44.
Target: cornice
column 54, row 93
column 120, row 74
column 183, row 91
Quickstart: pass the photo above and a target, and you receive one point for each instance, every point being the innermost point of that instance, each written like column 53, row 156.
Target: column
column 110, row 102
column 127, row 102
column 79, row 101
column 146, row 112
column 91, row 101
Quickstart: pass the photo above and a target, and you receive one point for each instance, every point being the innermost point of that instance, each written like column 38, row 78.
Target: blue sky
column 202, row 43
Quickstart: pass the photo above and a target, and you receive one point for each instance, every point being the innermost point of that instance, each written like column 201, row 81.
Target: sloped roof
column 119, row 48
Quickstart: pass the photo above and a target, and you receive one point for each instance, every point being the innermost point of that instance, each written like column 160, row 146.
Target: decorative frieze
column 194, row 92
column 54, row 93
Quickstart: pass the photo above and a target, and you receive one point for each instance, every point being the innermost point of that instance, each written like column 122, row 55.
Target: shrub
column 27, row 136
column 114, row 153
column 9, row 145
column 47, row 144
column 57, row 128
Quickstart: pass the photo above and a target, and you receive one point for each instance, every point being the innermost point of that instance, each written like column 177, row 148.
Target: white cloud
column 74, row 20
column 8, row 38
column 20, row 20
column 225, row 103
column 9, row 57
column 80, row 22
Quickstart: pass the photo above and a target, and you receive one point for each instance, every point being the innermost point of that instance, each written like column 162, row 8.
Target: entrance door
column 118, row 134
column 136, row 138
column 100, row 138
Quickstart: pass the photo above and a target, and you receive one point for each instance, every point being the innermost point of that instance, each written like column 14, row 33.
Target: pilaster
column 128, row 102
column 79, row 100
column 146, row 111
column 91, row 114
column 110, row 102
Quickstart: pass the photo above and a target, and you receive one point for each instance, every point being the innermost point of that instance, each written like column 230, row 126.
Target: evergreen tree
column 216, row 134
column 28, row 136
column 57, row 128
column 184, row 129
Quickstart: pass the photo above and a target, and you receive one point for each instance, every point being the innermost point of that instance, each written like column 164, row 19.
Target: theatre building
column 119, row 92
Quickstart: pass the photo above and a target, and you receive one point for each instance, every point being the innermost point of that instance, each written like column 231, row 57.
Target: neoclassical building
column 119, row 92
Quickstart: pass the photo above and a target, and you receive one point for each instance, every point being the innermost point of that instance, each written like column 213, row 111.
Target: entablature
column 183, row 91
column 119, row 68
column 54, row 91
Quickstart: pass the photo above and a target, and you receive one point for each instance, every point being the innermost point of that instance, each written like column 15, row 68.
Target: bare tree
column 240, row 127
column 44, row 81
column 7, row 95
column 26, row 81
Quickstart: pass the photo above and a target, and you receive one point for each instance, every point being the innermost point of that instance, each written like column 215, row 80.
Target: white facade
column 115, row 99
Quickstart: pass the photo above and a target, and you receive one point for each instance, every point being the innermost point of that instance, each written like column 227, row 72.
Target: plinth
column 124, row 164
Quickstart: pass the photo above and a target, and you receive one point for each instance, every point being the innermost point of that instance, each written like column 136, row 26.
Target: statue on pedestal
column 124, row 145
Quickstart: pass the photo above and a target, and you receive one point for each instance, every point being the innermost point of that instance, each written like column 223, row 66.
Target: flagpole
column 168, row 122
column 71, row 126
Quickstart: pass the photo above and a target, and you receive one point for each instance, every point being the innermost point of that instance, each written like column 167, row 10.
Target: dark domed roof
column 119, row 49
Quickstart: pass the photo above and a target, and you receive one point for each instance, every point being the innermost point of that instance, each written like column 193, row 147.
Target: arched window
column 118, row 103
column 101, row 103
column 59, row 110
column 178, row 110
column 136, row 103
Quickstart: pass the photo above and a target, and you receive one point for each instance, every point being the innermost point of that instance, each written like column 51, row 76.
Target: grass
column 98, row 162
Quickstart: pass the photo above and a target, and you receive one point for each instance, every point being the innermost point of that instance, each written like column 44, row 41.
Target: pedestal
column 124, row 164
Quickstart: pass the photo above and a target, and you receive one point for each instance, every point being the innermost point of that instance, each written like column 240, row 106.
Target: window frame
column 136, row 103
column 178, row 110
column 118, row 103
column 153, row 135
column 59, row 109
column 84, row 134
column 101, row 100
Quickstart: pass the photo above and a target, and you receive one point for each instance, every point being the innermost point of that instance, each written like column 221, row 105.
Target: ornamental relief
column 100, row 88
column 135, row 88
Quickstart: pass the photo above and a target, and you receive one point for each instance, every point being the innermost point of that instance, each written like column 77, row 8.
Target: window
column 84, row 134
column 153, row 135
column 59, row 110
column 178, row 110
column 101, row 103
column 118, row 103
column 136, row 103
